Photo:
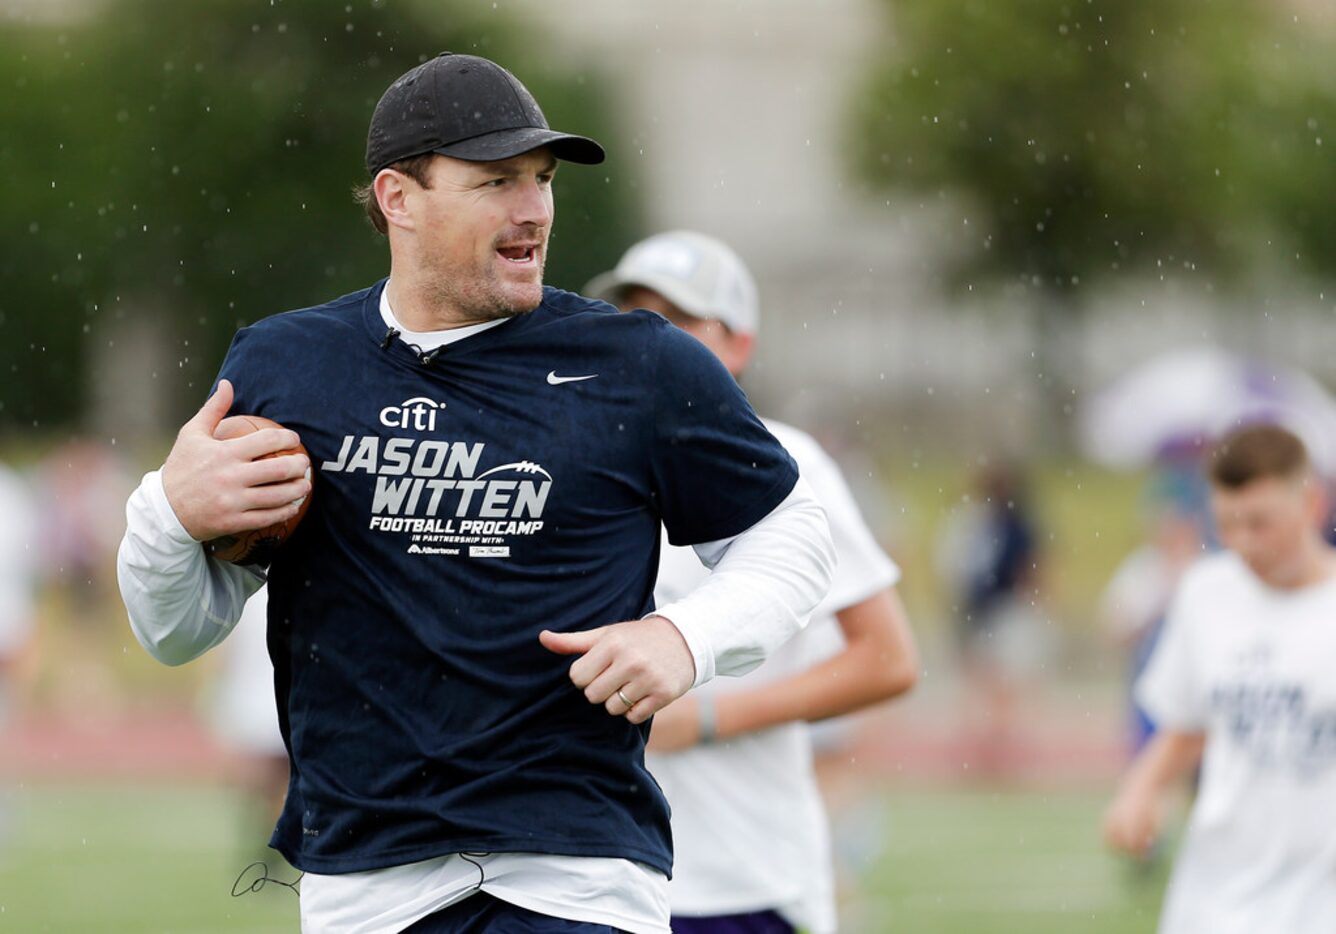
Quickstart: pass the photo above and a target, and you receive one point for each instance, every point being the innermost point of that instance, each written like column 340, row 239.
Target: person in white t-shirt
column 17, row 596
column 18, row 573
column 734, row 757
column 1135, row 601
column 1242, row 681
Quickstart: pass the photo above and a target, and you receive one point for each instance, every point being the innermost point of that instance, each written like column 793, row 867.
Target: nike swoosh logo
column 554, row 380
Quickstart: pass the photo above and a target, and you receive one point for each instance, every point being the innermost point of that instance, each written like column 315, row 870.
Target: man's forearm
column 765, row 583
column 1170, row 756
column 180, row 602
column 1132, row 822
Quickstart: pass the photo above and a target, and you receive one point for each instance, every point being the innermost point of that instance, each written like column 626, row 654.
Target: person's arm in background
column 879, row 661
column 1134, row 819
column 1130, row 601
column 765, row 583
column 1171, row 691
column 180, row 601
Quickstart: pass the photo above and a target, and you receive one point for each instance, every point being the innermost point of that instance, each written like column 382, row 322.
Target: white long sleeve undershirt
column 765, row 583
column 180, row 601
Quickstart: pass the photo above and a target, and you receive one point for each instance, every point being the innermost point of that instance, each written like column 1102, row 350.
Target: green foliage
column 195, row 161
column 1097, row 136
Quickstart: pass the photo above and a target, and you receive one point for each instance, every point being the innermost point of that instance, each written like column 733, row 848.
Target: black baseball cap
column 469, row 108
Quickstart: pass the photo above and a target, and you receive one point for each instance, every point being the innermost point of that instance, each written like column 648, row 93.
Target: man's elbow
column 900, row 679
column 811, row 568
column 898, row 671
column 171, row 649
column 877, row 630
column 169, row 654
column 822, row 547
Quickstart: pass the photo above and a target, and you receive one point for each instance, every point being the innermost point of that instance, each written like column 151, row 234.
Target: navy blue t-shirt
column 513, row 482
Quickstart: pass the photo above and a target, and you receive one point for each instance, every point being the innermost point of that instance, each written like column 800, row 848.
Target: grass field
column 152, row 860
column 1000, row 862
column 133, row 860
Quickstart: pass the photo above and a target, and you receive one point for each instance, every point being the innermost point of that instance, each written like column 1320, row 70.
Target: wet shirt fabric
column 1251, row 666
column 464, row 500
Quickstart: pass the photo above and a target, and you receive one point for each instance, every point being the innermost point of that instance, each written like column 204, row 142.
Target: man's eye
column 545, row 179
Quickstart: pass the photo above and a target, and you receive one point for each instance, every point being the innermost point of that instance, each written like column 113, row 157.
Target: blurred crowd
column 64, row 519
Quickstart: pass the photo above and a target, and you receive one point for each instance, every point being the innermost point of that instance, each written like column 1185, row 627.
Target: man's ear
column 391, row 189
column 739, row 349
column 1318, row 499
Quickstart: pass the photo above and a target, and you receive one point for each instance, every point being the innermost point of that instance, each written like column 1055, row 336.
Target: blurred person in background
column 735, row 759
column 18, row 566
column 82, row 487
column 988, row 554
column 1242, row 682
column 1134, row 603
column 244, row 719
column 857, row 811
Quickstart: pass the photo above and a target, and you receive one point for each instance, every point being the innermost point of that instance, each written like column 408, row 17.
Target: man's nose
column 533, row 204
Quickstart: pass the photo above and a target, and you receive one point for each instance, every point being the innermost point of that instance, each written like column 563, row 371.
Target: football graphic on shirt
column 256, row 546
column 517, row 469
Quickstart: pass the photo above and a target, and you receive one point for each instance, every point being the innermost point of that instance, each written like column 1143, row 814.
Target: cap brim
column 611, row 287
column 505, row 144
column 606, row 287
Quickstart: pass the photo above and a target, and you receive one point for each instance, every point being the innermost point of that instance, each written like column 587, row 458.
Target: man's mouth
column 519, row 254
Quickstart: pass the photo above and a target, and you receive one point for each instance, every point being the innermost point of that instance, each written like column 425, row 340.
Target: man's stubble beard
column 482, row 297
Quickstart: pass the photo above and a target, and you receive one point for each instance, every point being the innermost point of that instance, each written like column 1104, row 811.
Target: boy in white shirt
column 1243, row 680
column 735, row 759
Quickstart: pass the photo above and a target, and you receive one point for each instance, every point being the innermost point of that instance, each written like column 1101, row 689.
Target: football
column 259, row 545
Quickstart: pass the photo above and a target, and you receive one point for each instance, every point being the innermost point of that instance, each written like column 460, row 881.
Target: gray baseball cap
column 699, row 274
column 467, row 107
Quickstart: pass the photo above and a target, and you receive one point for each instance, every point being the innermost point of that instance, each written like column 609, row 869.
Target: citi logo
column 416, row 414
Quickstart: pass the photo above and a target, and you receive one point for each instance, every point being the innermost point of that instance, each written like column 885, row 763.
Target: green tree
column 1095, row 137
column 195, row 161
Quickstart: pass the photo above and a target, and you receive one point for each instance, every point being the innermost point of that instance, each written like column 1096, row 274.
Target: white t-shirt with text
column 1254, row 668
column 749, row 829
